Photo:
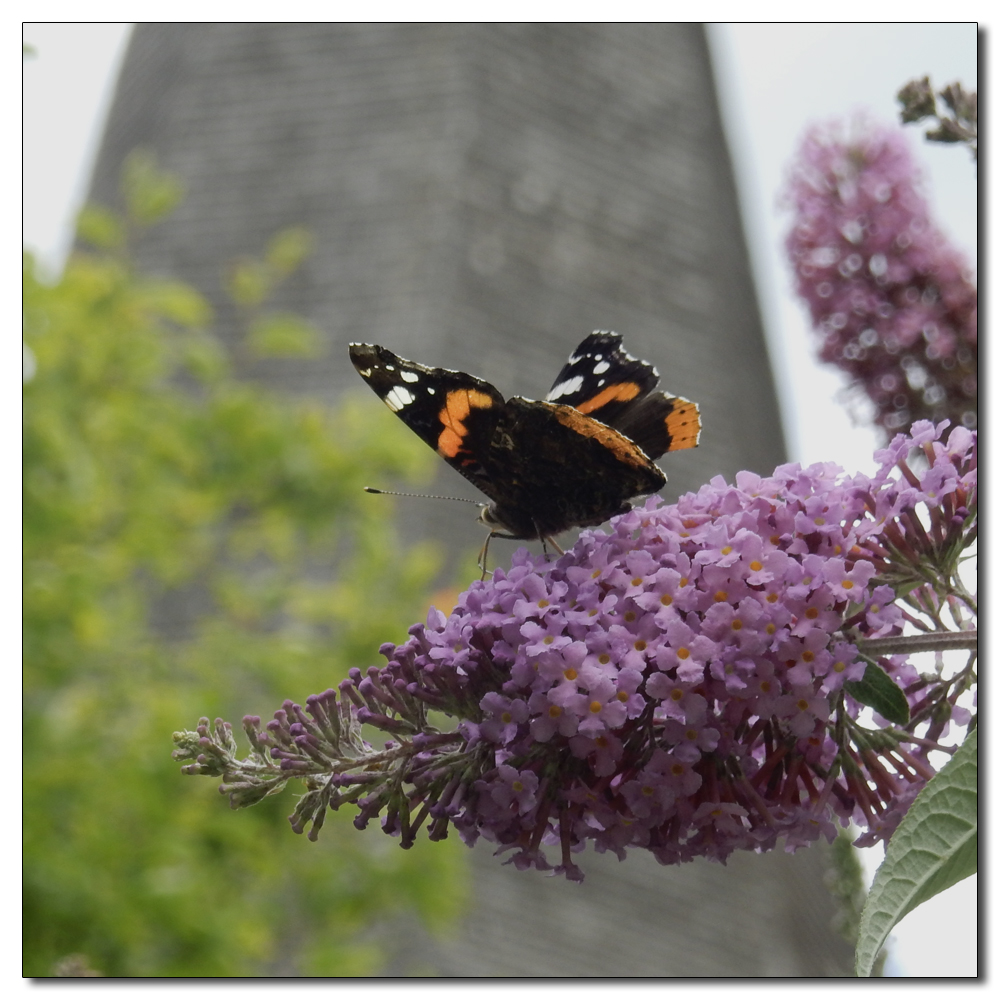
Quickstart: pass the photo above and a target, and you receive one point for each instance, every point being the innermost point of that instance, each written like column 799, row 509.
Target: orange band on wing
column 683, row 425
column 620, row 446
column 620, row 393
column 458, row 404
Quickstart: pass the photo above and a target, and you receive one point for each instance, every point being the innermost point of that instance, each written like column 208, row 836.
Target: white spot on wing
column 409, row 376
column 398, row 397
column 601, row 367
column 564, row 388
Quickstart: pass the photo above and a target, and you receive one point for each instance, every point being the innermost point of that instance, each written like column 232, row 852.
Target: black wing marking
column 454, row 412
column 605, row 382
column 561, row 469
column 601, row 379
column 659, row 423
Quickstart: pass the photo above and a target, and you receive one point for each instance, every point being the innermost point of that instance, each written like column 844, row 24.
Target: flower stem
column 930, row 643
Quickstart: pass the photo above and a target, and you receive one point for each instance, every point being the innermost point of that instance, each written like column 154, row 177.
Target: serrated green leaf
column 935, row 846
column 289, row 248
column 283, row 335
column 100, row 227
column 877, row 690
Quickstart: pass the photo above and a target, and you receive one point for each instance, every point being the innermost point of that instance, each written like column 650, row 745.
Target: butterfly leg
column 481, row 562
column 543, row 538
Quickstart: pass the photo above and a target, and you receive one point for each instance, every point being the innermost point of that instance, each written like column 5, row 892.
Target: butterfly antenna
column 422, row 496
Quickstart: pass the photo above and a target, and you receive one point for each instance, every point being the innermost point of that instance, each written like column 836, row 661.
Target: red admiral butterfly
column 571, row 460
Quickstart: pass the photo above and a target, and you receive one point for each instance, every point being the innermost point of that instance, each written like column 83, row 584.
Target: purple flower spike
column 691, row 683
column 894, row 305
column 676, row 680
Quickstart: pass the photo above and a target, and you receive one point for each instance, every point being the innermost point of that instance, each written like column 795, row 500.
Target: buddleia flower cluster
column 727, row 672
column 892, row 302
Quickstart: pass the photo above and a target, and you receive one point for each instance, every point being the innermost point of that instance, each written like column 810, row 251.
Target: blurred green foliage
column 195, row 545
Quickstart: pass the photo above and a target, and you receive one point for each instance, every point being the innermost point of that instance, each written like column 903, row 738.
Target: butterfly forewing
column 604, row 381
column 454, row 412
column 601, row 379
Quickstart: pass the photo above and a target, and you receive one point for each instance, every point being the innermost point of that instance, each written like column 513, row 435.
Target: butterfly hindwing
column 604, row 381
column 559, row 468
column 659, row 423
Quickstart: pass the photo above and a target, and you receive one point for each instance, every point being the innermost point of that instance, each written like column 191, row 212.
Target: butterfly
column 574, row 459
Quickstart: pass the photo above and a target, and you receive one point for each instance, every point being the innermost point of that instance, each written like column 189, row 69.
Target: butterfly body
column 574, row 459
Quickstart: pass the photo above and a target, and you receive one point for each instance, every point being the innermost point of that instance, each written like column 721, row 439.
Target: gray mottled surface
column 758, row 915
column 482, row 197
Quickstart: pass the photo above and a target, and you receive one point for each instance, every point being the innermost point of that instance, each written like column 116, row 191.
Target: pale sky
column 774, row 80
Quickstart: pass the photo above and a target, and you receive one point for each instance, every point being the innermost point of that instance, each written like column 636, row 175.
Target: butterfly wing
column 453, row 412
column 561, row 469
column 601, row 378
column 604, row 381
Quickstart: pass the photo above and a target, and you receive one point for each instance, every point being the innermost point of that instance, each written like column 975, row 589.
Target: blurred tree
column 181, row 530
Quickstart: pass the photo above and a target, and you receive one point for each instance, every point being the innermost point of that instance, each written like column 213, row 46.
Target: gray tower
column 483, row 196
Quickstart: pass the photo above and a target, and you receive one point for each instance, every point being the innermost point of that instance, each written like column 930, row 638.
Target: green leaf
column 204, row 357
column 877, row 690
column 171, row 530
column 284, row 335
column 935, row 846
column 150, row 194
column 248, row 282
column 100, row 227
column 289, row 248
column 176, row 301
